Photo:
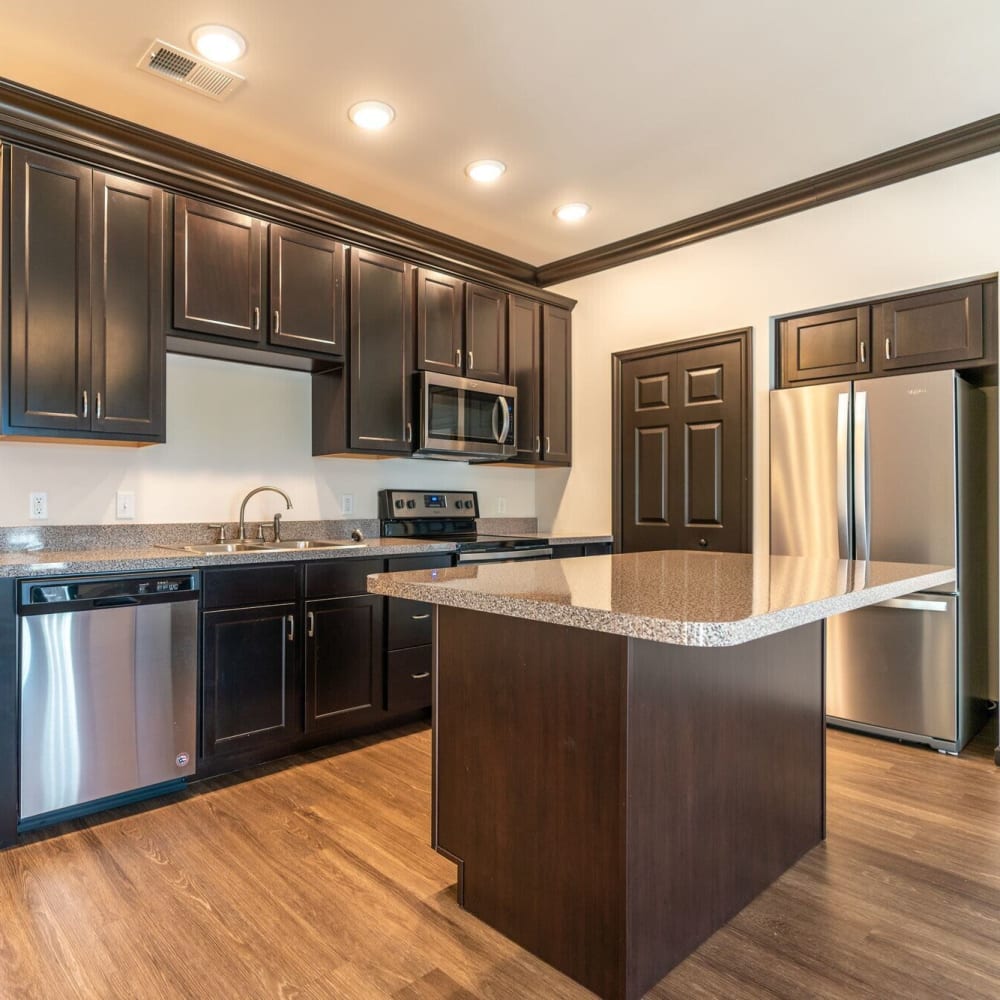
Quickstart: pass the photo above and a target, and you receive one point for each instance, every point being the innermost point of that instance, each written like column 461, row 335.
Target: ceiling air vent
column 189, row 71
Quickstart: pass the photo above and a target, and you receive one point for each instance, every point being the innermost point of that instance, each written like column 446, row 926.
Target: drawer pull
column 420, row 677
column 420, row 618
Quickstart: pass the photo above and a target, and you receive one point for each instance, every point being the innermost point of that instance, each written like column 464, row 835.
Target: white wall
column 229, row 428
column 931, row 229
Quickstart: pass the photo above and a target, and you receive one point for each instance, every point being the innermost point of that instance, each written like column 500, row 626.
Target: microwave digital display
column 435, row 500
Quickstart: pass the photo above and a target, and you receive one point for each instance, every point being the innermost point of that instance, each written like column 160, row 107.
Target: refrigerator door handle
column 843, row 475
column 862, row 526
column 909, row 604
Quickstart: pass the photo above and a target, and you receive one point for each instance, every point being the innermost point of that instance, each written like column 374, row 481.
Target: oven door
column 465, row 418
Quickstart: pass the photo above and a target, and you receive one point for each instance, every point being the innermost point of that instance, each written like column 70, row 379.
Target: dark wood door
column 440, row 321
column 557, row 403
column 381, row 353
column 343, row 672
column 485, row 333
column 249, row 678
column 933, row 328
column 683, row 448
column 524, row 368
column 218, row 271
column 834, row 344
column 50, row 315
column 128, row 350
column 308, row 291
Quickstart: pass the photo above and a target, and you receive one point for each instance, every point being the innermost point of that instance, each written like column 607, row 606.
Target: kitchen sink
column 220, row 548
column 292, row 545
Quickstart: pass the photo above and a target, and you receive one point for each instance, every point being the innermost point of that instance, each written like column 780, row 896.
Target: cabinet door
column 381, row 353
column 128, row 351
column 218, row 271
column 343, row 674
column 439, row 322
column 524, row 344
column 485, row 333
column 827, row 345
column 308, row 300
column 557, row 414
column 248, row 678
column 933, row 328
column 51, row 202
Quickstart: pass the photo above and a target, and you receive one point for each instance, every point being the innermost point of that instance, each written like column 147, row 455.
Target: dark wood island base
column 612, row 801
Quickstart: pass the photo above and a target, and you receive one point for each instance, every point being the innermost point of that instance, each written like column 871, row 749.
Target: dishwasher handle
column 115, row 602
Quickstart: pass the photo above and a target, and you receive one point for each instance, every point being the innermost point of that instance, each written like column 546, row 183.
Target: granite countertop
column 683, row 598
column 114, row 559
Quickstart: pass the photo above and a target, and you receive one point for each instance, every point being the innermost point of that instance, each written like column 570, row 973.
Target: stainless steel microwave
column 466, row 419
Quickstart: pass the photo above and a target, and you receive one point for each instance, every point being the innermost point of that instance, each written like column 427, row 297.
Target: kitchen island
column 628, row 749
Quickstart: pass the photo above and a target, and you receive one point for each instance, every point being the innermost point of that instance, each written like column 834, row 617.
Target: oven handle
column 512, row 556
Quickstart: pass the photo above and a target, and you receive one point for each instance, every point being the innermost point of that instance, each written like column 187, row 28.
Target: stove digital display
column 435, row 500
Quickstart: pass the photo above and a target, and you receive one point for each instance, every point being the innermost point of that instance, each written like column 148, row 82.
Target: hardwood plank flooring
column 314, row 880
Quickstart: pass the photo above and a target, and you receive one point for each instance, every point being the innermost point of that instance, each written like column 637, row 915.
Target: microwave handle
column 505, row 406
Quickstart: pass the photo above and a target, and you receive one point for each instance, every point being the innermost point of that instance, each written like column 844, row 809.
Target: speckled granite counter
column 684, row 598
column 47, row 562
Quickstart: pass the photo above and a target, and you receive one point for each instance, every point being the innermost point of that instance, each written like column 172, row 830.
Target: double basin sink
column 226, row 548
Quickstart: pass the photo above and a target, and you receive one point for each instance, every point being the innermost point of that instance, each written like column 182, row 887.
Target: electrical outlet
column 38, row 506
column 125, row 505
column 347, row 503
column 501, row 505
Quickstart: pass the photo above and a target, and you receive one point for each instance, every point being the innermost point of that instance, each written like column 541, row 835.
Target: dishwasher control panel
column 93, row 590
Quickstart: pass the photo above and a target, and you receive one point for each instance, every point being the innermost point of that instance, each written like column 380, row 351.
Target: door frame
column 744, row 336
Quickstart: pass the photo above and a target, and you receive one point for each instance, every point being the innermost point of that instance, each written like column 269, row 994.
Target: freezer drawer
column 893, row 668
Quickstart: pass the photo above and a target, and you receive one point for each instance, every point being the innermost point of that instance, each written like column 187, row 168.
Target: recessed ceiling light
column 485, row 171
column 573, row 212
column 371, row 115
column 219, row 44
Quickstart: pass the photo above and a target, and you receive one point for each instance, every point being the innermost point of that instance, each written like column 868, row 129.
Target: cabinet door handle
column 420, row 618
column 409, row 432
column 277, row 325
column 538, row 443
column 861, row 345
column 97, row 406
column 256, row 317
column 86, row 405
column 888, row 349
column 310, row 623
column 458, row 357
column 471, row 365
column 420, row 677
column 291, row 627
column 548, row 444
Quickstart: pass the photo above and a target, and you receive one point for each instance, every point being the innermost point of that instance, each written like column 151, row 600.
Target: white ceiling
column 650, row 110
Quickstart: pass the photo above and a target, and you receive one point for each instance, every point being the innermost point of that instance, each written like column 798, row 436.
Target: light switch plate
column 347, row 503
column 501, row 505
column 125, row 505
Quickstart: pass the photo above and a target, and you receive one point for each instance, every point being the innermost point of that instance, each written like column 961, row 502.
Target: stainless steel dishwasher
column 108, row 670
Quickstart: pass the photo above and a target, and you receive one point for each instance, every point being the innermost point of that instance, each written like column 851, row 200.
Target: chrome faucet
column 243, row 506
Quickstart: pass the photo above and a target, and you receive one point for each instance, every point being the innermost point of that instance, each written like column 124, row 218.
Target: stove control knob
column 400, row 504
column 411, row 504
column 468, row 505
column 458, row 504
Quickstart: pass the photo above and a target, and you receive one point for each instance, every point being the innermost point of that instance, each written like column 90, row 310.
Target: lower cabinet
column 585, row 549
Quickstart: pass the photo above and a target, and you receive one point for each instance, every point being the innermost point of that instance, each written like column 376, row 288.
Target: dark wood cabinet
column 557, row 412
column 308, row 300
column 833, row 344
column 933, row 328
column 440, row 322
column 343, row 668
column 950, row 327
column 87, row 354
column 524, row 344
column 485, row 333
column 381, row 363
column 461, row 327
column 218, row 271
column 248, row 679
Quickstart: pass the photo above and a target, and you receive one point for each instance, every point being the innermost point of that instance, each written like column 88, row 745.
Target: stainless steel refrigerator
column 892, row 469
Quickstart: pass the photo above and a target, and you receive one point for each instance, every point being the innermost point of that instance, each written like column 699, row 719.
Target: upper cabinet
column 240, row 280
column 218, row 271
column 461, row 327
column 86, row 337
column 952, row 327
column 540, row 368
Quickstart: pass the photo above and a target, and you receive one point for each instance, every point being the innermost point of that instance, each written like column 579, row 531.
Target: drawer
column 409, row 623
column 339, row 577
column 567, row 551
column 247, row 586
column 402, row 564
column 408, row 679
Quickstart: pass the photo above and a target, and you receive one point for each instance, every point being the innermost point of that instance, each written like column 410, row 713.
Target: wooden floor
column 315, row 880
